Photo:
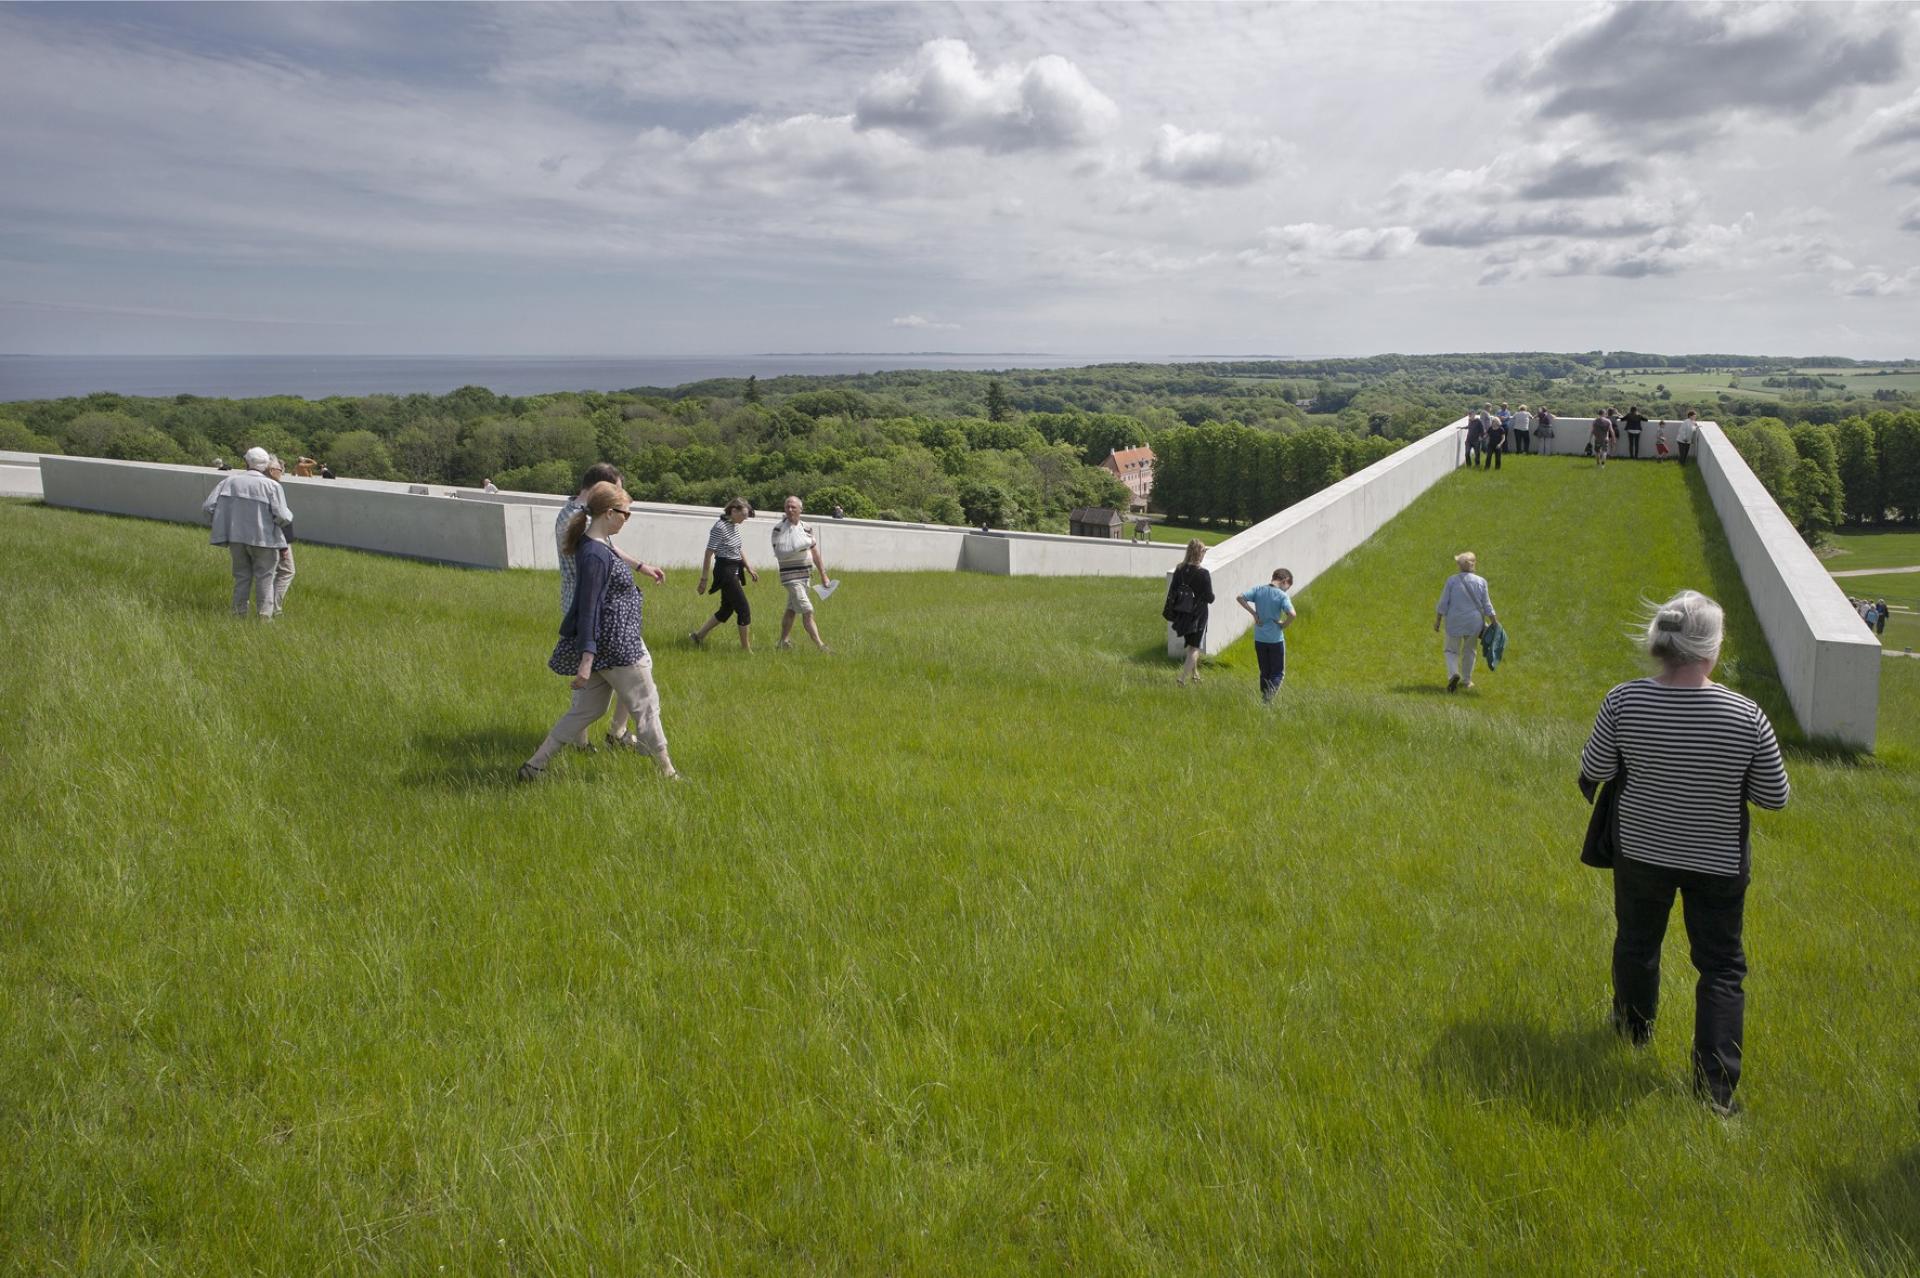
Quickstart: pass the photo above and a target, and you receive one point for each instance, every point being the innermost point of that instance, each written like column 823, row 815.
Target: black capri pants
column 728, row 584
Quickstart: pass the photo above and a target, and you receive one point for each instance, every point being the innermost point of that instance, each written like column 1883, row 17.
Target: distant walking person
column 250, row 518
column 1271, row 607
column 601, row 647
column 1464, row 610
column 796, row 548
column 1476, row 436
column 1602, row 435
column 1633, row 423
column 1521, row 428
column 1661, row 451
column 1189, row 594
column 726, row 562
column 1691, row 755
column 1683, row 435
column 1880, row 617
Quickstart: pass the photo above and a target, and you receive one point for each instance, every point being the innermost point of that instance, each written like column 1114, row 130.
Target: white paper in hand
column 825, row 590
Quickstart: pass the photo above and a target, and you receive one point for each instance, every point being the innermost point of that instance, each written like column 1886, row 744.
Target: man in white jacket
column 797, row 549
column 249, row 515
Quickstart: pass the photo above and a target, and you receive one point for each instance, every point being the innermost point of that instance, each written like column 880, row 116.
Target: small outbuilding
column 1096, row 521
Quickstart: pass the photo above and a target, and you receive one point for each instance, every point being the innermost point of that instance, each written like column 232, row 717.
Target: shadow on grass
column 477, row 759
column 1878, row 1214
column 1569, row 1077
column 1420, row 689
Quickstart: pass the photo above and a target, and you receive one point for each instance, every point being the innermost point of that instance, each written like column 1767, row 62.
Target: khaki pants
column 637, row 692
column 282, row 578
column 253, row 575
column 1460, row 653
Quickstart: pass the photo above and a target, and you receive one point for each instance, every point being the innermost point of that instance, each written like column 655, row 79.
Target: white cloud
column 1304, row 244
column 1910, row 217
column 1877, row 283
column 944, row 98
column 1890, row 125
column 919, row 321
column 1209, row 159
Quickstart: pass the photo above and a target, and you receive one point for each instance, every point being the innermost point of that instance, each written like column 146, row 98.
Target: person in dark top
column 1689, row 756
column 601, row 648
column 1632, row 423
column 1496, row 445
column 1189, row 592
column 1476, row 435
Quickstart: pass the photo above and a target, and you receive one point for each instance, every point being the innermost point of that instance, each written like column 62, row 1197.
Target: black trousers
column 728, row 584
column 1712, row 905
column 1522, row 441
column 1473, row 450
column 1681, row 448
column 1273, row 666
column 1490, row 455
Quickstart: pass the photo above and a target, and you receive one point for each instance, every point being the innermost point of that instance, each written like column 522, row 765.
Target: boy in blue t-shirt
column 1272, row 612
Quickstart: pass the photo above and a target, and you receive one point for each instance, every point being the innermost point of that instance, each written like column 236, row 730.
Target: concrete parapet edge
column 1314, row 533
column 1829, row 662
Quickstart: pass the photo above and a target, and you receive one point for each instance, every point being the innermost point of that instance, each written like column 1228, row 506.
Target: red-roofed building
column 1134, row 468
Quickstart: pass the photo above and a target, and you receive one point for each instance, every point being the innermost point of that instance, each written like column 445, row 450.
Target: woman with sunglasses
column 600, row 645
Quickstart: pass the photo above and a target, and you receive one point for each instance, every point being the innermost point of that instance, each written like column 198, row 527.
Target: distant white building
column 1134, row 468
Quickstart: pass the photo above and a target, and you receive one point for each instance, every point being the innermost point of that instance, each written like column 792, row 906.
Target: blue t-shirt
column 1270, row 603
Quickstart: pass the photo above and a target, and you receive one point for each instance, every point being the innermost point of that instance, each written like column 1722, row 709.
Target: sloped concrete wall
column 1312, row 535
column 1828, row 660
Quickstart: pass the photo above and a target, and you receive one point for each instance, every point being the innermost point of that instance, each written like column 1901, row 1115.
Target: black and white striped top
column 724, row 540
column 1694, row 758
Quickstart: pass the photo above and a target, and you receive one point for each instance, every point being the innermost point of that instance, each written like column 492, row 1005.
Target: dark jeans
column 1712, row 905
column 1633, row 443
column 1522, row 441
column 727, row 583
column 1490, row 455
column 1273, row 667
column 1682, row 448
column 1473, row 450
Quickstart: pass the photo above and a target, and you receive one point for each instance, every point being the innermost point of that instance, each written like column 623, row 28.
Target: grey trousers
column 637, row 692
column 253, row 575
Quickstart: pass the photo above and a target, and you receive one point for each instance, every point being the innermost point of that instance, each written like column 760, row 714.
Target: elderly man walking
column 250, row 518
column 797, row 549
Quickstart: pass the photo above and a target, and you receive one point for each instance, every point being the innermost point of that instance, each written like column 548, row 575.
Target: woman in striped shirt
column 1691, row 755
column 725, row 562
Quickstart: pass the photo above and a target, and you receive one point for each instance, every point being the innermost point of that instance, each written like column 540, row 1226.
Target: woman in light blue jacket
column 1464, row 610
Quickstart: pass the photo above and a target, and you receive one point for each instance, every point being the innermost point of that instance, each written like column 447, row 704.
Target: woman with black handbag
column 1692, row 755
column 1189, row 591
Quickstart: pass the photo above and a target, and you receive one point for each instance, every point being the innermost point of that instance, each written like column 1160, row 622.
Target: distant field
column 974, row 947
column 1690, row 390
column 1879, row 548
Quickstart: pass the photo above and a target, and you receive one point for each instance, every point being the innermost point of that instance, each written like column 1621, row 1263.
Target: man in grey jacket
column 250, row 518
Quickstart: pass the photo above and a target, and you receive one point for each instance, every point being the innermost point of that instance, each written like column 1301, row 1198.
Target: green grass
column 1872, row 548
column 975, row 946
column 1181, row 532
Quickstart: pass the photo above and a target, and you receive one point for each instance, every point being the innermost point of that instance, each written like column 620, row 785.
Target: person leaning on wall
column 1464, row 610
column 1683, row 435
column 1693, row 755
column 251, row 519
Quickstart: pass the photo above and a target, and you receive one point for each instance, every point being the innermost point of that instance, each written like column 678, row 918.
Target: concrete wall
column 325, row 512
column 19, row 474
column 1828, row 660
column 515, row 530
column 1312, row 535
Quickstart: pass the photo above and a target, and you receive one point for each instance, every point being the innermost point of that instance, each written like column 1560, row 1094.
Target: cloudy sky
column 1079, row 178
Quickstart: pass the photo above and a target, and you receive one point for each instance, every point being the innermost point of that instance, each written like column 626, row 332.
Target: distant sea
column 318, row 376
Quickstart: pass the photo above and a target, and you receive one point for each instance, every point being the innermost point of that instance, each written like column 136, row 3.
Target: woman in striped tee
column 726, row 561
column 1691, row 755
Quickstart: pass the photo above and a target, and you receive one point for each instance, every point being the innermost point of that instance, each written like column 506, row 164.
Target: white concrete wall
column 1313, row 534
column 325, row 512
column 1828, row 660
column 515, row 530
column 19, row 481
